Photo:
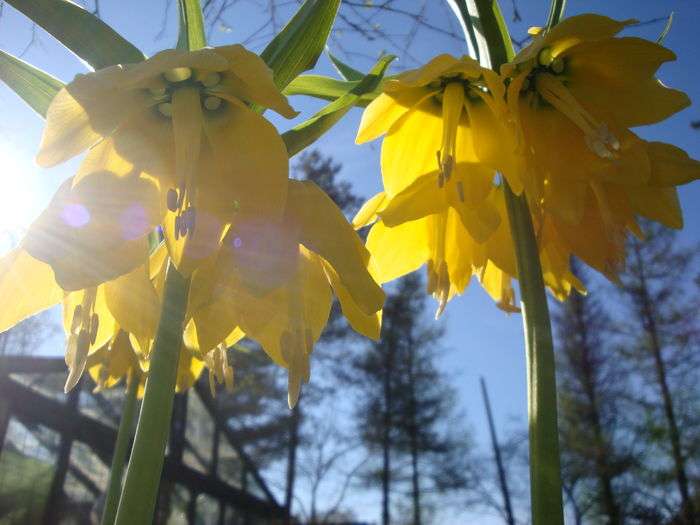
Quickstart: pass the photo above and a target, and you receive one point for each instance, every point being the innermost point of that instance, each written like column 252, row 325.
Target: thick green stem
column 545, row 477
column 138, row 498
column 121, row 447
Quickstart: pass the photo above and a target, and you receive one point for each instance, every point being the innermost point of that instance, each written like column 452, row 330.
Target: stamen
column 557, row 65
column 212, row 103
column 452, row 104
column 211, row 80
column 94, row 326
column 178, row 74
column 166, row 109
column 597, row 135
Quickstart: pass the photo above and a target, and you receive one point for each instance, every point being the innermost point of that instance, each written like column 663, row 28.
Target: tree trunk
column 650, row 327
column 386, row 440
column 292, row 457
column 502, row 480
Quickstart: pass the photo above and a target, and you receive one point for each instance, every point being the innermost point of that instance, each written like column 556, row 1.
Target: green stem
column 138, row 498
column 121, row 447
column 545, row 477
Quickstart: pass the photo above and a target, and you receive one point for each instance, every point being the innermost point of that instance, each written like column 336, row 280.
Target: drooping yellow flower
column 446, row 138
column 183, row 118
column 118, row 360
column 439, row 240
column 273, row 282
column 573, row 94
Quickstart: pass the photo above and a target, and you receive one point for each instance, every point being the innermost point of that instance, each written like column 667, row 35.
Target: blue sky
column 481, row 340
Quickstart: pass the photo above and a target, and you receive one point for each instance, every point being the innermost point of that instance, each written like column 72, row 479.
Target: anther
column 172, row 199
column 212, row 103
column 166, row 109
column 557, row 65
column 77, row 318
column 211, row 80
column 178, row 74
column 544, row 58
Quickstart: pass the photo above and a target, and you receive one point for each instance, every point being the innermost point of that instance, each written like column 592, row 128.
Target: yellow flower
column 440, row 240
column 184, row 118
column 118, row 360
column 94, row 318
column 446, row 138
column 573, row 94
column 95, row 228
column 272, row 281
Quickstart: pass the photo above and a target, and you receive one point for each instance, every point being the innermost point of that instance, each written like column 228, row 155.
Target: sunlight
column 18, row 202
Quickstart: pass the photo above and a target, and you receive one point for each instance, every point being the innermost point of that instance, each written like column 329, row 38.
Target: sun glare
column 17, row 192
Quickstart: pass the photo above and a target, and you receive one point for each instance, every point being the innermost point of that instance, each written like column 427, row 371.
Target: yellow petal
column 87, row 109
column 438, row 66
column 671, row 166
column 410, row 148
column 133, row 302
column 368, row 212
column 97, row 230
column 580, row 28
column 399, row 250
column 423, row 197
column 109, row 365
column 28, row 286
column 252, row 162
column 368, row 325
column 324, row 229
column 381, row 114
column 249, row 79
column 189, row 368
column 658, row 204
column 142, row 74
column 616, row 76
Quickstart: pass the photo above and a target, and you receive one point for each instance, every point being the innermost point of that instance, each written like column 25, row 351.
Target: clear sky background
column 481, row 340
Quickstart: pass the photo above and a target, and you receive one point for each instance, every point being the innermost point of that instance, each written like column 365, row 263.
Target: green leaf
column 309, row 131
column 493, row 38
column 83, row 33
column 461, row 11
column 297, row 47
column 346, row 71
column 327, row 88
column 556, row 11
column 667, row 29
column 34, row 86
column 192, row 35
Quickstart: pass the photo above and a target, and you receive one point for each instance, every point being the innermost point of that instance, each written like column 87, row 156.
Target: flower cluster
column 554, row 124
column 176, row 150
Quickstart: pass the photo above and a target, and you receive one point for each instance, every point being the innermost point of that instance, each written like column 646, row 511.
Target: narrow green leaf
column 556, row 11
column 34, row 86
column 667, row 29
column 309, row 131
column 93, row 41
column 346, row 71
column 297, row 47
column 495, row 44
column 192, row 35
column 461, row 11
column 327, row 88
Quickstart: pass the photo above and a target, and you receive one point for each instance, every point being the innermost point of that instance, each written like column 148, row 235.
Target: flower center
column 180, row 77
